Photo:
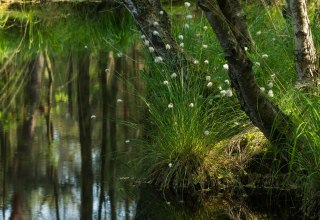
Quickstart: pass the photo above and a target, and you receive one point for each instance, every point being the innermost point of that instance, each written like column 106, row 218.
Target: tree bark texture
column 153, row 22
column 237, row 18
column 275, row 125
column 305, row 52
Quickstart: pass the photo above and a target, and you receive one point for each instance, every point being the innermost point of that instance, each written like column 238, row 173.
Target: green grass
column 176, row 135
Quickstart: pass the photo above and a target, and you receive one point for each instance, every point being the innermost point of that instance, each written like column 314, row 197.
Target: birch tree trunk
column 275, row 125
column 305, row 52
column 154, row 24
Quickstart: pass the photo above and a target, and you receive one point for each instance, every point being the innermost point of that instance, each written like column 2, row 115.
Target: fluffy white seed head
column 225, row 66
column 223, row 92
column 210, row 84
column 270, row 93
column 170, row 105
column 208, row 78
column 229, row 93
column 187, row 4
column 174, row 75
column 158, row 59
column 151, row 49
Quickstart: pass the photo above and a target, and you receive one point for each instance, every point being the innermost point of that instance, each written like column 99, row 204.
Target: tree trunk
column 153, row 22
column 275, row 125
column 237, row 18
column 305, row 52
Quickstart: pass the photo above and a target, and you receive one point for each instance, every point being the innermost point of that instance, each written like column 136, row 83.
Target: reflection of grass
column 179, row 148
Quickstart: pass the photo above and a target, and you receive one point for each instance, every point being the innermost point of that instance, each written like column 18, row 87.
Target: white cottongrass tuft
column 208, row 78
column 143, row 37
column 220, row 88
column 270, row 85
column 196, row 62
column 205, row 27
column 227, row 82
column 257, row 63
column 206, row 61
column 229, row 93
column 191, row 105
column 86, row 47
column 258, row 33
column 225, row 66
column 187, row 4
column 107, row 70
column 265, row 56
column 181, row 44
column 186, row 26
column 206, row 132
column 270, row 93
column 170, row 105
column 119, row 100
column 93, row 116
column 155, row 24
column 262, row 89
column 155, row 33
column 205, row 46
column 223, row 92
column 166, row 82
column 146, row 43
column 158, row 59
column 161, row 12
column 180, row 37
column 189, row 17
column 151, row 49
column 245, row 48
column 127, row 141
column 170, row 165
column 168, row 47
column 210, row 84
column 273, row 76
column 174, row 75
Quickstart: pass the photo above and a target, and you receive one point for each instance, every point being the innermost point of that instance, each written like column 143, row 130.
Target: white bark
column 305, row 52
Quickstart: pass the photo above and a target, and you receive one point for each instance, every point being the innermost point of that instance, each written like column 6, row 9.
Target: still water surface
column 72, row 120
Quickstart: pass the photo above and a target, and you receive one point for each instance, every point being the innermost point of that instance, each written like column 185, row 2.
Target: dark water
column 71, row 123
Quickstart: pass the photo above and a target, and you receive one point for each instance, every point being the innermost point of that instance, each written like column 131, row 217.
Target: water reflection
column 64, row 142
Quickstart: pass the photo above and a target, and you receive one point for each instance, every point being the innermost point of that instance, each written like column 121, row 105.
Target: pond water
column 71, row 121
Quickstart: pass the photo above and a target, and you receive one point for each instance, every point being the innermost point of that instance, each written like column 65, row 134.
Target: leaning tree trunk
column 305, row 52
column 154, row 25
column 275, row 125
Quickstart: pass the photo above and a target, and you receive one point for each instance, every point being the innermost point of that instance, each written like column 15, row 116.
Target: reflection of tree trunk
column 105, row 115
column 70, row 83
column 85, row 137
column 25, row 133
column 4, row 146
column 49, row 96
column 113, row 132
column 17, row 207
column 113, row 105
